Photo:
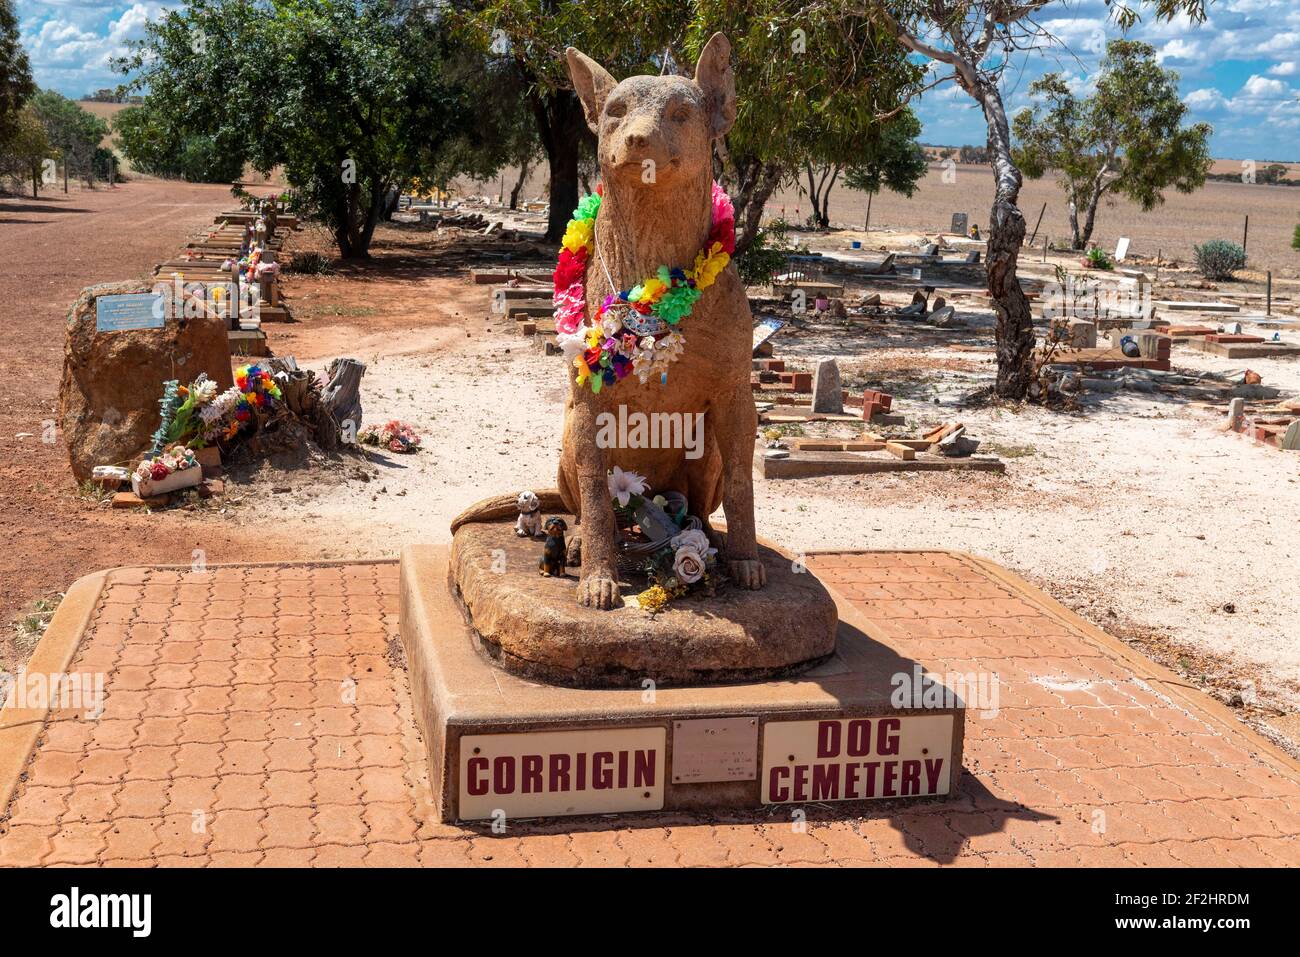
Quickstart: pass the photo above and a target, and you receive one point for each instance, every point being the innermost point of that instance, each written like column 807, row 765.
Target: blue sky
column 1240, row 70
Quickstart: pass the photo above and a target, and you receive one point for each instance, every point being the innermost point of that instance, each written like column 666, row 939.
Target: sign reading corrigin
column 547, row 773
column 855, row 759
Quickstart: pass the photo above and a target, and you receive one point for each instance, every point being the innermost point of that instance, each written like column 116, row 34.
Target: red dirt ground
column 52, row 248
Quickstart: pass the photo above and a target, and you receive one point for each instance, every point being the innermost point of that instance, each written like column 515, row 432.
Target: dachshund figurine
column 554, row 551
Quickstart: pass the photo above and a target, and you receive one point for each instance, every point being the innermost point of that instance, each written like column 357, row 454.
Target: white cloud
column 1285, row 68
column 73, row 47
column 1179, row 49
column 1205, row 99
column 1260, row 88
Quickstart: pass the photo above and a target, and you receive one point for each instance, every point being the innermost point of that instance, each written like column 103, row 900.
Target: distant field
column 105, row 111
column 1216, row 211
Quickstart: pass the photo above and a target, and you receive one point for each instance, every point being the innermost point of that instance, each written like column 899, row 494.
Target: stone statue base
column 533, row 626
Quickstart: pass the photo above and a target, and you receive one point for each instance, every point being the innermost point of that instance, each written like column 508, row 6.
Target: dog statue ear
column 713, row 75
column 592, row 83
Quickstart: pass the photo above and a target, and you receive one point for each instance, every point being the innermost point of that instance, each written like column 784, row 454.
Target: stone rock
column 827, row 393
column 1083, row 334
column 945, row 316
column 112, row 381
column 956, row 444
column 532, row 626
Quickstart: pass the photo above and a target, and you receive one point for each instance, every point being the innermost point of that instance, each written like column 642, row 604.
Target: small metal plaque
column 134, row 311
column 715, row 749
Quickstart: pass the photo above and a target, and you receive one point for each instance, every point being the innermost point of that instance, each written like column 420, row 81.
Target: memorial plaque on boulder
column 827, row 395
column 112, row 380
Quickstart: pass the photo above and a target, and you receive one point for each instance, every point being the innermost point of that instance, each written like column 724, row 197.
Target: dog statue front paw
column 747, row 572
column 598, row 591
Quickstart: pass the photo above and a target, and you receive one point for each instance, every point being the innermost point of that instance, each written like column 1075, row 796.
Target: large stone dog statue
column 655, row 137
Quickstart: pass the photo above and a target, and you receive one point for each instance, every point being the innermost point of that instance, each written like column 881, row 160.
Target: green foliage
column 812, row 78
column 890, row 157
column 528, row 38
column 169, row 405
column 75, row 132
column 16, row 86
column 1126, row 138
column 153, row 145
column 28, row 146
column 1295, row 237
column 1098, row 258
column 350, row 99
column 766, row 255
column 1219, row 259
column 309, row 263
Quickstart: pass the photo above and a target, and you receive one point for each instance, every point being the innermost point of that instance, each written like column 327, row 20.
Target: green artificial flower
column 588, row 206
column 676, row 304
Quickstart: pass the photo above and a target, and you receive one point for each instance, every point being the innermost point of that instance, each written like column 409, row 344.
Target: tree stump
column 340, row 402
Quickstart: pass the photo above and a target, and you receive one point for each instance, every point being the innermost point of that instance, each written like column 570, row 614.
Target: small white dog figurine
column 529, row 524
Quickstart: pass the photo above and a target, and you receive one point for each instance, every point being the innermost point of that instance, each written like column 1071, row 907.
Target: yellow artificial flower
column 653, row 599
column 584, row 370
column 577, row 236
column 708, row 267
column 652, row 289
column 593, row 338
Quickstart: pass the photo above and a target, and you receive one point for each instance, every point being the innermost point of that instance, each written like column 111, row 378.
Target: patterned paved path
column 260, row 715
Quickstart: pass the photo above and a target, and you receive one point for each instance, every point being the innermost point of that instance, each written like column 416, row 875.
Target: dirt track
column 51, row 248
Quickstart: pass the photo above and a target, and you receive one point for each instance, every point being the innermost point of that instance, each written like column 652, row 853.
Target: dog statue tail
column 505, row 506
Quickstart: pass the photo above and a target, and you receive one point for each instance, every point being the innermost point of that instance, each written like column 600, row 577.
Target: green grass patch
column 31, row 625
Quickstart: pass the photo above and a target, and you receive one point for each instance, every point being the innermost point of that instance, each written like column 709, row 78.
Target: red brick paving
column 255, row 715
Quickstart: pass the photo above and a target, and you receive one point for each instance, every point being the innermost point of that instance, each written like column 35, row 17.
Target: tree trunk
column 755, row 183
column 519, row 185
column 560, row 125
column 819, row 193
column 36, row 180
column 1076, row 242
column 1089, row 222
column 866, row 227
column 1015, row 324
column 340, row 404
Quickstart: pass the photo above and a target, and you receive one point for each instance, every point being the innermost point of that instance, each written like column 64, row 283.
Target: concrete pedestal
column 504, row 747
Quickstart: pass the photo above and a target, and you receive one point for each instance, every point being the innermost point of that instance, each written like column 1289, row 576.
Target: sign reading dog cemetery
column 544, row 773
column 855, row 759
column 136, row 311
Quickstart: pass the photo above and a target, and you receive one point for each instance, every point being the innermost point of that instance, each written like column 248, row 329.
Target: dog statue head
column 527, row 503
column 655, row 130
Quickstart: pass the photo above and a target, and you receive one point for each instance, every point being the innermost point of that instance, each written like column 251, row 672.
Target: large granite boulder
column 112, row 381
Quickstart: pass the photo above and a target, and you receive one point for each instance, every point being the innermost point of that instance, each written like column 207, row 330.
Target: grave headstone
column 827, row 395
column 1083, row 334
column 112, row 381
column 1121, row 249
column 960, row 223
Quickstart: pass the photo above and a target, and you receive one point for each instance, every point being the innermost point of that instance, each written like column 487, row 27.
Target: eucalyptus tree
column 977, row 40
column 1127, row 137
column 350, row 98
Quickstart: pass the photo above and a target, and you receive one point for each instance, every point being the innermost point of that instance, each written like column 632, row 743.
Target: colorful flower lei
column 634, row 329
